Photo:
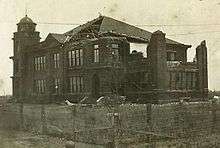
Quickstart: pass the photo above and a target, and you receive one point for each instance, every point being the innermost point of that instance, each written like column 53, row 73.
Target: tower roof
column 26, row 20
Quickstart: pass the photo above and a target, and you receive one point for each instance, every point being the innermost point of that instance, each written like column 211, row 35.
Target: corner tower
column 26, row 35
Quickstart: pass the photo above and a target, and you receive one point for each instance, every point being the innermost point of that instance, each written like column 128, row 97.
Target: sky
column 188, row 21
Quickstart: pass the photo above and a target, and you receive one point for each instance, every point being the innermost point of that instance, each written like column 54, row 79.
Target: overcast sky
column 186, row 21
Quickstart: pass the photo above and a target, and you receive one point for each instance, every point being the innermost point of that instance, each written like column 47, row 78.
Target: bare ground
column 15, row 139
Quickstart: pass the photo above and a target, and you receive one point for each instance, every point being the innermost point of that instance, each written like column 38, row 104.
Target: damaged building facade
column 104, row 57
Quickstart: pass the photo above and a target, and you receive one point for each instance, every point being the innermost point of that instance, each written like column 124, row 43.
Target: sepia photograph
column 110, row 74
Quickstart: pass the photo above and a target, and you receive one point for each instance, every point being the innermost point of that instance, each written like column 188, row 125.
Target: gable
column 60, row 38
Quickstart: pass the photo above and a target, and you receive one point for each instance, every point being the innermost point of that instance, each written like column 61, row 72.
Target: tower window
column 40, row 63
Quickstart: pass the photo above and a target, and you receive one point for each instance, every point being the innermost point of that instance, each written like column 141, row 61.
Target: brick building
column 103, row 57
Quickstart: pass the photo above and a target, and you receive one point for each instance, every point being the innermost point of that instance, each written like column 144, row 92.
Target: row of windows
column 96, row 46
column 114, row 53
column 75, row 84
column 183, row 80
column 75, row 58
column 40, row 62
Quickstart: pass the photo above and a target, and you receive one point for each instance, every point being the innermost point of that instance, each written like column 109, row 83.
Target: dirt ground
column 16, row 139
column 12, row 139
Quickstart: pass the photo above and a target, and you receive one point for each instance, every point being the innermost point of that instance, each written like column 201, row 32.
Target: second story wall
column 176, row 52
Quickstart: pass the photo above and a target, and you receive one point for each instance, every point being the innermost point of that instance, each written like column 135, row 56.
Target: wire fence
column 180, row 124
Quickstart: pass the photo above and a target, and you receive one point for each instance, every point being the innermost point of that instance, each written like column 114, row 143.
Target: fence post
column 149, row 124
column 73, row 111
column 116, row 126
column 43, row 120
column 21, row 113
column 181, row 119
column 214, row 118
column 149, row 116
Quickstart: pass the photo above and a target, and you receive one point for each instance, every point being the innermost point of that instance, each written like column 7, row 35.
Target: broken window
column 115, row 52
column 171, row 56
column 139, row 47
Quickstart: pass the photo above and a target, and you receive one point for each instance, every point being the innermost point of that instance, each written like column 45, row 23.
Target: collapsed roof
column 103, row 24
